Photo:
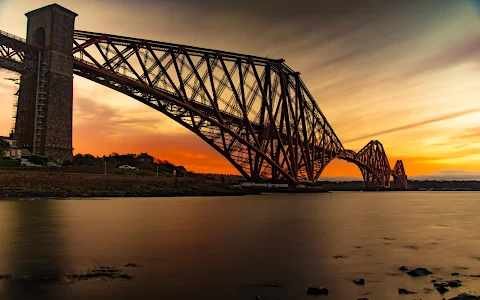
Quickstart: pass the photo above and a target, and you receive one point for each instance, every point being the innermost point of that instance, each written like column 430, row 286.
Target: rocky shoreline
column 14, row 185
column 60, row 194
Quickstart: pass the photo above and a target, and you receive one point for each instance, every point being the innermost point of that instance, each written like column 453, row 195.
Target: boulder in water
column 405, row 292
column 359, row 281
column 441, row 289
column 454, row 283
column 317, row 290
column 419, row 272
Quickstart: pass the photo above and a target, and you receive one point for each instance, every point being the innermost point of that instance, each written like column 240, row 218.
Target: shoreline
column 9, row 194
column 37, row 184
column 60, row 185
column 15, row 194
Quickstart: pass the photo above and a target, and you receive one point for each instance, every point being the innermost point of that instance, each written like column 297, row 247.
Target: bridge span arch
column 373, row 163
column 254, row 111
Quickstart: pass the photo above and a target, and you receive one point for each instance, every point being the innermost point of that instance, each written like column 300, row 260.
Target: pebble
column 359, row 281
column 405, row 291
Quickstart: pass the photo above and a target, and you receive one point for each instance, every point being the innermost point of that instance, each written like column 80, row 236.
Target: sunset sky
column 404, row 72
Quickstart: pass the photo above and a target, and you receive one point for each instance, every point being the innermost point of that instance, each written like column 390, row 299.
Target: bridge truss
column 16, row 55
column 257, row 112
column 376, row 171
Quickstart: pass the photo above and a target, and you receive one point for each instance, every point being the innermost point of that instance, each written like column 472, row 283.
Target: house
column 26, row 153
column 145, row 158
column 13, row 150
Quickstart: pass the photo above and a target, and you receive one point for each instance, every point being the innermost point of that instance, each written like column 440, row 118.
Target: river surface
column 224, row 247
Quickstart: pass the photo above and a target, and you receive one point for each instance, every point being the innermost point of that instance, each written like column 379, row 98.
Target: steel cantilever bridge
column 255, row 111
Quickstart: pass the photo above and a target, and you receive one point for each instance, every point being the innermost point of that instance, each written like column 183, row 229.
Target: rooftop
column 52, row 7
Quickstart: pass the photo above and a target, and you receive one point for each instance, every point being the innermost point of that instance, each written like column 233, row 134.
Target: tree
column 38, row 159
column 90, row 160
column 78, row 160
column 88, row 156
column 167, row 164
column 3, row 146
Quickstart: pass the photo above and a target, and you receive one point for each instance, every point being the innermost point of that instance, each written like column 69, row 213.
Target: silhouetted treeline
column 473, row 185
column 115, row 160
column 414, row 185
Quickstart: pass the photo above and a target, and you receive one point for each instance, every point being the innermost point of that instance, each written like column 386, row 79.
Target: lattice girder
column 378, row 174
column 16, row 55
column 255, row 111
column 399, row 175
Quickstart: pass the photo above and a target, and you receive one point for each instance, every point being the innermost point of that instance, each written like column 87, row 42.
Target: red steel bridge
column 255, row 111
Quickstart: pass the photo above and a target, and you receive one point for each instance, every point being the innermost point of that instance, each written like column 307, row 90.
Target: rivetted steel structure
column 255, row 111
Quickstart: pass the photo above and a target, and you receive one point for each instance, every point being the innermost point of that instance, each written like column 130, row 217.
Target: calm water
column 213, row 247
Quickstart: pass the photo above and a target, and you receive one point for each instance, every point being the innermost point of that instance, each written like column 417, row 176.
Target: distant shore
column 38, row 184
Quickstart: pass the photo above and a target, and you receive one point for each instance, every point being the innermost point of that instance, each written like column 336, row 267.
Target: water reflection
column 212, row 247
column 32, row 248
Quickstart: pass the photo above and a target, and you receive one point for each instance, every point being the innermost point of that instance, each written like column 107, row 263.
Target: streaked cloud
column 417, row 124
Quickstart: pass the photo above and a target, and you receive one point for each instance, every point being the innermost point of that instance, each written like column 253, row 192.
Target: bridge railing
column 12, row 36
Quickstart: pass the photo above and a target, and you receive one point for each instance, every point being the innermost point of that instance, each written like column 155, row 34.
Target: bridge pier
column 45, row 104
column 371, row 187
column 400, row 183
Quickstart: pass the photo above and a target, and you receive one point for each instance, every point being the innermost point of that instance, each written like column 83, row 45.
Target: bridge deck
column 14, row 52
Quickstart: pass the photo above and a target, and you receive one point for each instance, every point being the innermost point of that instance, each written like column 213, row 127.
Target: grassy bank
column 17, row 184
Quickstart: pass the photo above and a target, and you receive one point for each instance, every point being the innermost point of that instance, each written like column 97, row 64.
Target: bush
column 38, row 159
column 209, row 177
column 3, row 144
column 9, row 163
column 145, row 173
column 181, row 173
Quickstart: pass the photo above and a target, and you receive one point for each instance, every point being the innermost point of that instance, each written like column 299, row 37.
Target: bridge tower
column 45, row 104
